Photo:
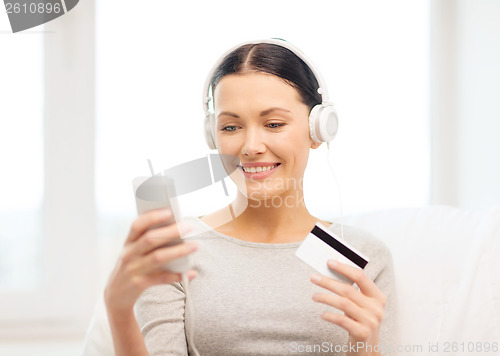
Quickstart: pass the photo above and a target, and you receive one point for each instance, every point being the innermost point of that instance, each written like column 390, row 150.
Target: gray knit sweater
column 255, row 299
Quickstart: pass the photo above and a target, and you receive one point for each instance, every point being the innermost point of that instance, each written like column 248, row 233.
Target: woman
column 252, row 295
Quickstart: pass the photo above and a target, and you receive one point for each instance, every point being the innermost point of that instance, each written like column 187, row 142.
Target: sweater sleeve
column 160, row 315
column 385, row 281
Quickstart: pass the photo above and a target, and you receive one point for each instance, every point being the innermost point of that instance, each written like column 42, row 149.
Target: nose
column 254, row 142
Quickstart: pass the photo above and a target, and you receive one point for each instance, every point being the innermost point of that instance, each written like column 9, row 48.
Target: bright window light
column 373, row 56
column 21, row 152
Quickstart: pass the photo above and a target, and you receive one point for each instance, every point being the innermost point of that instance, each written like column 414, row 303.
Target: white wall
column 478, row 102
column 465, row 113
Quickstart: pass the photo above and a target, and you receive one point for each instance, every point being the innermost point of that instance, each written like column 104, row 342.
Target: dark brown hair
column 275, row 60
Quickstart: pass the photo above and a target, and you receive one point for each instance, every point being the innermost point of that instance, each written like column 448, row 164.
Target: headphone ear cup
column 208, row 130
column 323, row 123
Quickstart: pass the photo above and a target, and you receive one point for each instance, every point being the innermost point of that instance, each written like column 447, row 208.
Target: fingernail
column 315, row 278
column 166, row 213
column 184, row 228
column 315, row 296
column 332, row 263
column 192, row 246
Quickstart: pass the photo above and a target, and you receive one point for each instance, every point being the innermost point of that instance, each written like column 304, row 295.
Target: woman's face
column 261, row 120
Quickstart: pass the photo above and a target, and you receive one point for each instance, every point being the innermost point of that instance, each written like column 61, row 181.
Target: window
column 47, row 218
column 21, row 147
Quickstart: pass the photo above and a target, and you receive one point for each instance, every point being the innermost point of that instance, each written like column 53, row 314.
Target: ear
column 315, row 145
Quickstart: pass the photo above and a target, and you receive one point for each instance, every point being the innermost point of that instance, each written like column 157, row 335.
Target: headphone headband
column 322, row 90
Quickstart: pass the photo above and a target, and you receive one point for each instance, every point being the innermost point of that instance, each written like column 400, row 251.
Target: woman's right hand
column 141, row 261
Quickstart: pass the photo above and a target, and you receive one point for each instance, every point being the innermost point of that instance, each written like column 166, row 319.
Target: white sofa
column 447, row 264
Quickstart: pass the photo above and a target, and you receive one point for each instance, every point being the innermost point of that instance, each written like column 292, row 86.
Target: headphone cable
column 328, row 155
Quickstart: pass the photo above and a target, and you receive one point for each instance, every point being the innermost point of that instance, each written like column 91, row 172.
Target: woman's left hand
column 363, row 309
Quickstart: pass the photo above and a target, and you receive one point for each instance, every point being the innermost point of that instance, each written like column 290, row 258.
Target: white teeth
column 257, row 169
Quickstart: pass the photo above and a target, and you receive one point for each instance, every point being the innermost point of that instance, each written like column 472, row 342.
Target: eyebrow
column 263, row 113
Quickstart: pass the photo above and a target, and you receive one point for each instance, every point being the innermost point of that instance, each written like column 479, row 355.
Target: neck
column 274, row 220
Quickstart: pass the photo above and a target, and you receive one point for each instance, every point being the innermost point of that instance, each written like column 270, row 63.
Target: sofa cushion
column 447, row 266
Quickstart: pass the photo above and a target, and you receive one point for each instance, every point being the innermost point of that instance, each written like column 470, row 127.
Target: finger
column 154, row 238
column 155, row 260
column 360, row 307
column 358, row 276
column 146, row 221
column 356, row 330
column 340, row 288
column 191, row 274
column 346, row 305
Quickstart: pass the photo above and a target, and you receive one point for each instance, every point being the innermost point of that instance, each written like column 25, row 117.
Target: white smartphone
column 158, row 192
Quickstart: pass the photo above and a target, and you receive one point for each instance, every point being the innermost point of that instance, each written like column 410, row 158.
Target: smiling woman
column 252, row 295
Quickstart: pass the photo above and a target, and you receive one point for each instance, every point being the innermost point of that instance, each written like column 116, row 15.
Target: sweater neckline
column 209, row 229
column 235, row 240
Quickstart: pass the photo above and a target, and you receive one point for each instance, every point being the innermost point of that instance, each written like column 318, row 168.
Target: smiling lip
column 258, row 170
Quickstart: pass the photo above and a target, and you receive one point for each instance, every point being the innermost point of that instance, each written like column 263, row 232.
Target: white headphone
column 323, row 120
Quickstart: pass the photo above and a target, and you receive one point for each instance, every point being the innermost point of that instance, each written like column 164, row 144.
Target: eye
column 228, row 128
column 275, row 125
